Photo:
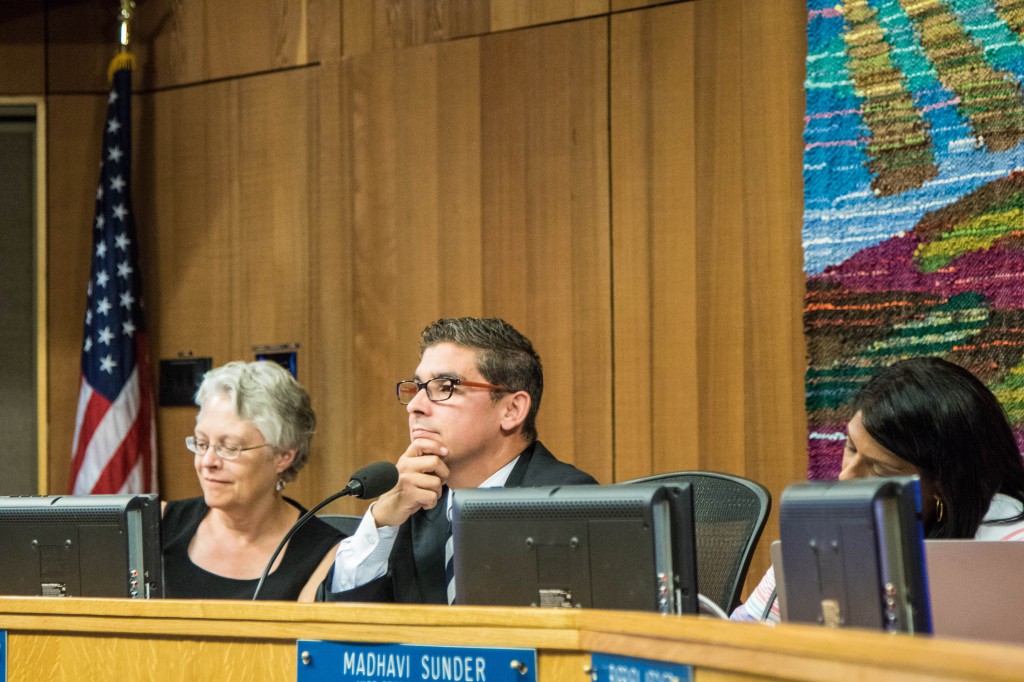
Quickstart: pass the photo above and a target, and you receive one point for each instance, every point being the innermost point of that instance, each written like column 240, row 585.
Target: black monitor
column 853, row 554
column 609, row 547
column 81, row 546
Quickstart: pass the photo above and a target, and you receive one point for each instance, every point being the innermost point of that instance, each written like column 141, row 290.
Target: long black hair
column 943, row 420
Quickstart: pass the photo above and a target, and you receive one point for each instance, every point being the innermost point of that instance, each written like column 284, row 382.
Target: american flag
column 114, row 449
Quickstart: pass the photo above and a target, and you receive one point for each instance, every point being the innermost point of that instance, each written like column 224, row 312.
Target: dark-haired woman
column 934, row 419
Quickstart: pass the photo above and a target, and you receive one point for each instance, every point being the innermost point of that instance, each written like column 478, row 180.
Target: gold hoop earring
column 940, row 509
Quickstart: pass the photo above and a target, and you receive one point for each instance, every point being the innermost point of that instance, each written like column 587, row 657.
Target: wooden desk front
column 93, row 639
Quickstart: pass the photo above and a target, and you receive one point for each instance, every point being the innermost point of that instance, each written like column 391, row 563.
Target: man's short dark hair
column 504, row 357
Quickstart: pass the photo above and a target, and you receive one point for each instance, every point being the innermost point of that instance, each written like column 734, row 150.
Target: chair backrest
column 729, row 515
column 346, row 523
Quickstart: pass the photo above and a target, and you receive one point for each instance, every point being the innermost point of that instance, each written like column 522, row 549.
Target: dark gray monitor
column 610, row 547
column 853, row 554
column 81, row 546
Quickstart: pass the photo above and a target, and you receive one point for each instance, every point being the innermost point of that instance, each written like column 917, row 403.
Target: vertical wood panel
column 470, row 192
column 624, row 5
column 588, row 385
column 224, row 226
column 545, row 216
column 188, row 41
column 277, row 140
column 370, row 25
column 186, row 217
column 656, row 260
column 81, row 39
column 330, row 352
column 73, row 128
column 707, row 194
column 510, row 14
column 22, row 48
column 324, row 30
column 774, row 48
column 409, row 165
column 721, row 265
column 356, row 27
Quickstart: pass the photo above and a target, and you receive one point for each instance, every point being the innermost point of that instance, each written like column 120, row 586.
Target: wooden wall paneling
column 369, row 26
column 505, row 86
column 81, row 39
column 275, row 137
column 545, row 213
column 227, row 214
column 324, row 28
column 632, row 168
column 676, row 324
column 654, row 234
column 246, row 37
column 74, row 125
column 170, row 258
column 276, row 142
column 187, row 208
column 357, row 26
column 395, row 249
column 460, row 265
column 188, row 41
column 722, row 270
column 380, row 278
column 772, row 74
column 22, row 47
column 587, row 387
column 170, row 43
column 415, row 196
column 510, row 14
column 625, row 5
column 329, row 355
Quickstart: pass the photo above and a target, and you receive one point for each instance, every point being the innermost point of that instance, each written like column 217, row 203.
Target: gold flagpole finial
column 123, row 59
column 125, row 17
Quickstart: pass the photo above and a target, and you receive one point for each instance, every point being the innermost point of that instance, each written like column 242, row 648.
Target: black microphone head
column 373, row 480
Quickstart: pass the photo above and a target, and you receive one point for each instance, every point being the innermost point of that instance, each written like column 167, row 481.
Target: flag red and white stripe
column 114, row 447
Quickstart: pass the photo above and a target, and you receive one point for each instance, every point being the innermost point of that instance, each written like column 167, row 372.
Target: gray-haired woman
column 252, row 436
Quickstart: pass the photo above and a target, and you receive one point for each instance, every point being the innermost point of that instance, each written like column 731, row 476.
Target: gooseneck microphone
column 373, row 480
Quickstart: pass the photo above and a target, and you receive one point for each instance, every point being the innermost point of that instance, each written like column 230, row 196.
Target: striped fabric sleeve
column 752, row 610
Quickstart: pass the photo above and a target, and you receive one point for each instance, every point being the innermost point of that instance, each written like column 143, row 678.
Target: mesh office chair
column 346, row 523
column 729, row 514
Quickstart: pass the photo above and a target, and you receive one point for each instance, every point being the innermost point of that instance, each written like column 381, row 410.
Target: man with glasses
column 472, row 406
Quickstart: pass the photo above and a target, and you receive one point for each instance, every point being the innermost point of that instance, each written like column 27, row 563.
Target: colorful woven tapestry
column 913, row 199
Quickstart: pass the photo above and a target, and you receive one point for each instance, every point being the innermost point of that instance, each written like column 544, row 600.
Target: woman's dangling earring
column 940, row 509
column 280, row 485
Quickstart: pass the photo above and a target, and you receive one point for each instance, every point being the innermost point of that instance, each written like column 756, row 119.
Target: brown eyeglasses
column 438, row 389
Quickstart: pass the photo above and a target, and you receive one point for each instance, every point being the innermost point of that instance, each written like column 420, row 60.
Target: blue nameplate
column 3, row 655
column 349, row 662
column 608, row 668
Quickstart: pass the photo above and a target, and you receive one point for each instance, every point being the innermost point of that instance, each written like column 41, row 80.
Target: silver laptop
column 976, row 588
column 775, row 551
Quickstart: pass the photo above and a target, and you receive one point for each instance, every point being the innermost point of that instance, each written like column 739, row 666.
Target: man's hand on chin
column 422, row 473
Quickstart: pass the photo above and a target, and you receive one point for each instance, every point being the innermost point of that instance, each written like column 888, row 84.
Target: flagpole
column 123, row 59
column 125, row 17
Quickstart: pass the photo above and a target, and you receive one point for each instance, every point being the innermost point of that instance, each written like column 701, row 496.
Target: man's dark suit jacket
column 416, row 566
